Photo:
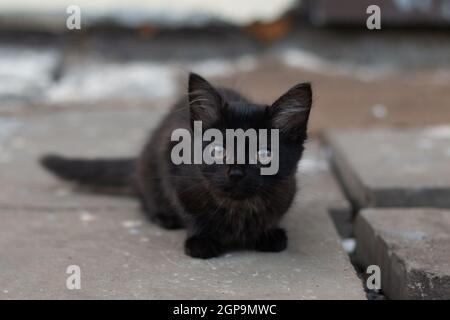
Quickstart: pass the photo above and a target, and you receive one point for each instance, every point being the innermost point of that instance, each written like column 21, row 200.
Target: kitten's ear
column 290, row 112
column 205, row 103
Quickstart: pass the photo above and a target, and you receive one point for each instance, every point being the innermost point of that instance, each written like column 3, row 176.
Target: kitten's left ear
column 290, row 113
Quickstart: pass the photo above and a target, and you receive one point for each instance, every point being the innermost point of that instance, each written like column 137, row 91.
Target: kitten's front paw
column 201, row 247
column 273, row 240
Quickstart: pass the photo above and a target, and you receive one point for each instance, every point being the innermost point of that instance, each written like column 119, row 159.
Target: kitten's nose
column 235, row 174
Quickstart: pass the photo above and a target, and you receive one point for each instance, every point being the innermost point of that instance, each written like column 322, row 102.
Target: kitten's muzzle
column 237, row 185
column 235, row 174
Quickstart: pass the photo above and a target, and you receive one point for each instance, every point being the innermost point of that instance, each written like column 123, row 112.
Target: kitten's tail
column 92, row 172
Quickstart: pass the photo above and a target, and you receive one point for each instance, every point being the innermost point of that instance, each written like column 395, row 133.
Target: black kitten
column 223, row 206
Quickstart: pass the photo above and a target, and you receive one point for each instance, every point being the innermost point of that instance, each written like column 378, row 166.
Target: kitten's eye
column 218, row 152
column 264, row 156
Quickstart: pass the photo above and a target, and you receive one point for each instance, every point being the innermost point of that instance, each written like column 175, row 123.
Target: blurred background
column 138, row 53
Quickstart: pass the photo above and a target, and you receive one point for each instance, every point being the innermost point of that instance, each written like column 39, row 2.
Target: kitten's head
column 224, row 109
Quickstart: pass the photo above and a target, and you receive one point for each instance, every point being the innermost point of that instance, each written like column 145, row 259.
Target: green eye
column 264, row 156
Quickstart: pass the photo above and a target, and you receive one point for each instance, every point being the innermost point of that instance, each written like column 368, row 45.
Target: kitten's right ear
column 205, row 103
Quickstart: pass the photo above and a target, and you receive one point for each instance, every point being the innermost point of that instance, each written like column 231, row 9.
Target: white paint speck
column 379, row 111
column 131, row 223
column 86, row 216
column 349, row 244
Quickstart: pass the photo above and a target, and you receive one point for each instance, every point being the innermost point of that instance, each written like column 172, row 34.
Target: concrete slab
column 394, row 168
column 44, row 230
column 123, row 256
column 321, row 186
column 92, row 134
column 411, row 247
column 96, row 134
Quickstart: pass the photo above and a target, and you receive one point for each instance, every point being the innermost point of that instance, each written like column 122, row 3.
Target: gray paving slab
column 91, row 134
column 321, row 186
column 122, row 256
column 411, row 247
column 47, row 226
column 394, row 168
column 109, row 133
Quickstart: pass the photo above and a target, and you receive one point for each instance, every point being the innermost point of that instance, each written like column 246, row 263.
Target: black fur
column 221, row 210
column 93, row 172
